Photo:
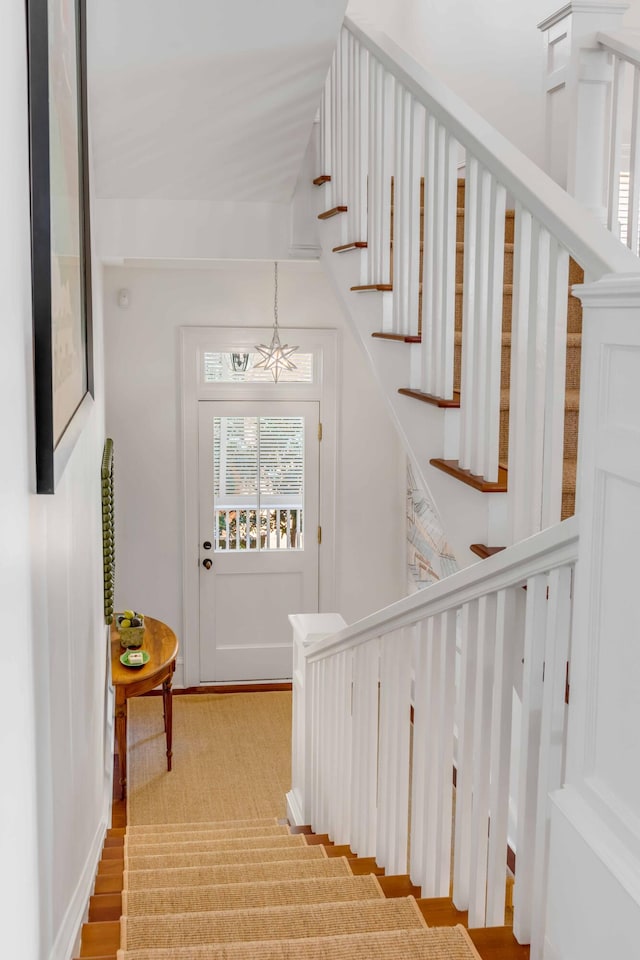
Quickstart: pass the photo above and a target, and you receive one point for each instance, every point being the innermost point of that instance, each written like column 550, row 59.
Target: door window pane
column 258, row 479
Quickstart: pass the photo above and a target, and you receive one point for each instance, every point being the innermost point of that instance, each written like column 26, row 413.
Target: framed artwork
column 60, row 237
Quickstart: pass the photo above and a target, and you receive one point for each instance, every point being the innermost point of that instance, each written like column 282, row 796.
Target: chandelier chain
column 275, row 297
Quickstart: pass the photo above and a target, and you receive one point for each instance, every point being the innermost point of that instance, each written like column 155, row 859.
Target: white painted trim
column 581, row 6
column 294, row 810
column 605, row 843
column 68, row 932
column 614, row 290
column 324, row 343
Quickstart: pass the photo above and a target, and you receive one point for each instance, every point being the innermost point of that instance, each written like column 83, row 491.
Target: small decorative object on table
column 134, row 658
column 130, row 626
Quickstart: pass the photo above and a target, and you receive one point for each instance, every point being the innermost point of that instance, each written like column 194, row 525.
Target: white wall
column 141, row 345
column 54, row 791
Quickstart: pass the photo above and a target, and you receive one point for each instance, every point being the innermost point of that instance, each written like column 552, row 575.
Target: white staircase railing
column 469, row 676
column 385, row 117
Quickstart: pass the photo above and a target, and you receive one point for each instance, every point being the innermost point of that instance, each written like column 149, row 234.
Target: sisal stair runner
column 252, row 890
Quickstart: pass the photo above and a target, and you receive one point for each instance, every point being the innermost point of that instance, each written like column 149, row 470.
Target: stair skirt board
column 440, row 943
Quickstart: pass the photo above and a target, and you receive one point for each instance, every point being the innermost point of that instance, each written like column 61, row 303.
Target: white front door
column 258, row 521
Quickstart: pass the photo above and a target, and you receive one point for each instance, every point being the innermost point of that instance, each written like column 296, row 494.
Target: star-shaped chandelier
column 276, row 357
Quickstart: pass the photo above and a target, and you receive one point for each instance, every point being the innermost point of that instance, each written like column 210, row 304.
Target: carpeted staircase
column 251, row 889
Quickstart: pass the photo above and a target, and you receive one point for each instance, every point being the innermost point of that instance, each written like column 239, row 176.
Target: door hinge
column 319, row 534
column 319, row 431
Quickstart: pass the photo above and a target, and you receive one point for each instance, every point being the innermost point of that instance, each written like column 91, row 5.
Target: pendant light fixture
column 275, row 357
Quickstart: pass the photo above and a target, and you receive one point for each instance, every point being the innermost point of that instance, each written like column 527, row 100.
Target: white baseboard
column 69, row 931
column 294, row 811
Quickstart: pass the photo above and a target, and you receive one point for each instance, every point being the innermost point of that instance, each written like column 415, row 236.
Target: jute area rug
column 231, row 758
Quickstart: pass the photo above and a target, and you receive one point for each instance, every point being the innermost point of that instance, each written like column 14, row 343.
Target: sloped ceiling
column 202, row 99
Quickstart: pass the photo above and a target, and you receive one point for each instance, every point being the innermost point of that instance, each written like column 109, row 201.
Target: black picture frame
column 60, row 232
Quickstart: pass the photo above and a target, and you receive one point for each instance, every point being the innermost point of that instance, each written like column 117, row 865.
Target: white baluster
column 446, row 272
column 465, row 709
column 555, row 367
column 421, row 753
column 430, row 262
column 393, row 776
column 552, row 737
column 529, row 756
column 469, row 371
column 518, row 403
column 439, row 790
column 324, row 140
column 501, row 719
column 336, row 127
column 434, row 654
column 345, row 733
column 364, row 749
column 406, row 221
column 480, row 763
column 358, row 198
column 615, row 144
column 372, row 720
column 439, row 260
column 482, row 340
column 358, row 750
column 314, row 793
column 381, row 87
column 446, row 689
column 633, row 213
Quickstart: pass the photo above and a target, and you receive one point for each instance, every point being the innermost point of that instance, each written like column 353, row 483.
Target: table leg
column 167, row 698
column 121, row 740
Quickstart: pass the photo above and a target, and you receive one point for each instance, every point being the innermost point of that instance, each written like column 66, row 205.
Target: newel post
column 594, row 862
column 308, row 628
column 578, row 80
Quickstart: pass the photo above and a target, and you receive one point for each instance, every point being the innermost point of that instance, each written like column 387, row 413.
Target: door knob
column 207, row 564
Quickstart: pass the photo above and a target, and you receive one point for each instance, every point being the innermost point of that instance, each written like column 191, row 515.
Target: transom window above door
column 240, row 367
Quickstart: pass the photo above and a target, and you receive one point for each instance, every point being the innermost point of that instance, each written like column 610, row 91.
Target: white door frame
column 194, row 341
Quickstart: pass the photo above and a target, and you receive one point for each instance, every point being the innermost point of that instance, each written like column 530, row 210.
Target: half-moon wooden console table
column 161, row 643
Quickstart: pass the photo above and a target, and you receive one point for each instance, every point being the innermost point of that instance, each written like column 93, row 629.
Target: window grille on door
column 258, row 479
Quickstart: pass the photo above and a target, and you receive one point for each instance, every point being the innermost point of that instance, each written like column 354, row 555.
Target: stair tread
column 211, row 858
column 450, row 942
column 270, row 923
column 453, row 468
column 228, row 843
column 263, row 893
column 137, row 841
column 197, row 825
column 238, row 873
